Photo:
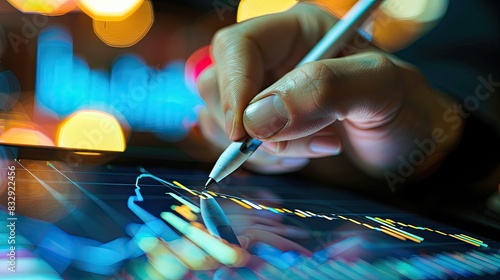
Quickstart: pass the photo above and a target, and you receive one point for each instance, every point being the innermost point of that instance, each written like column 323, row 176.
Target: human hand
column 370, row 104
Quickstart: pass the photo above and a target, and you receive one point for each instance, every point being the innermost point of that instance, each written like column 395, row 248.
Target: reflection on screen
column 130, row 223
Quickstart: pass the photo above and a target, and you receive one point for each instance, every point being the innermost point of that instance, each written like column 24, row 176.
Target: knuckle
column 223, row 38
column 378, row 58
column 320, row 83
column 381, row 62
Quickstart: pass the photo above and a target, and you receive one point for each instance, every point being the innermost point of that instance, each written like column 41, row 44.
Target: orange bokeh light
column 91, row 130
column 335, row 7
column 25, row 136
column 127, row 32
column 397, row 23
column 109, row 10
column 248, row 9
column 45, row 7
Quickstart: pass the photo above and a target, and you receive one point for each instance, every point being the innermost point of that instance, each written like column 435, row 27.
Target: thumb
column 363, row 89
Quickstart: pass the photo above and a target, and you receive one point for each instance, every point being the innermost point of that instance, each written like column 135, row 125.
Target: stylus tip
column 209, row 184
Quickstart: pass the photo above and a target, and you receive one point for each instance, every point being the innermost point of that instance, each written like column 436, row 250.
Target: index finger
column 245, row 53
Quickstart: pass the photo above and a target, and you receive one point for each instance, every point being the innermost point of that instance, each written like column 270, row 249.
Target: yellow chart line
column 241, row 203
column 402, row 234
column 393, row 234
column 388, row 226
column 464, row 240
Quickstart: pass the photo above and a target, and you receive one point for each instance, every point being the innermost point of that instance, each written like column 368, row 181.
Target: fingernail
column 266, row 117
column 325, row 145
column 230, row 122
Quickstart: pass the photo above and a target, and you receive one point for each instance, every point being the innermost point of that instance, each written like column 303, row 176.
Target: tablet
column 113, row 221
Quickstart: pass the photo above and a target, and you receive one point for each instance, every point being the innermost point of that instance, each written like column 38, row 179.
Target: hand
column 371, row 105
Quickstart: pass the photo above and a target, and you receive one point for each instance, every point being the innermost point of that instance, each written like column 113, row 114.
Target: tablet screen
column 145, row 222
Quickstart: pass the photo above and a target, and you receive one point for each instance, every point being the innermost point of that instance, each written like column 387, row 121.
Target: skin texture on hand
column 370, row 104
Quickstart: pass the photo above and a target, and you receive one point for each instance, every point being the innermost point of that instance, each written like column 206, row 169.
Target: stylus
column 330, row 45
column 216, row 221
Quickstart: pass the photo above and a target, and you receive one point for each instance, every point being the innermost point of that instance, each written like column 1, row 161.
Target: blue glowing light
column 150, row 100
column 54, row 70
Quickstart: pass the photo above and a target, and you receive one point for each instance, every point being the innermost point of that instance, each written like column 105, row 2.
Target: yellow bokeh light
column 254, row 8
column 127, row 32
column 418, row 10
column 25, row 136
column 91, row 130
column 45, row 7
column 397, row 23
column 336, row 7
column 109, row 10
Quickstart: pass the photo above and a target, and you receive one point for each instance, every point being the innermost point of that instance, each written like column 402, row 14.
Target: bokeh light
column 127, row 32
column 175, row 106
column 91, row 130
column 421, row 10
column 254, row 8
column 200, row 60
column 148, row 99
column 397, row 23
column 55, row 72
column 336, row 7
column 45, row 7
column 154, row 100
column 108, row 10
column 24, row 136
